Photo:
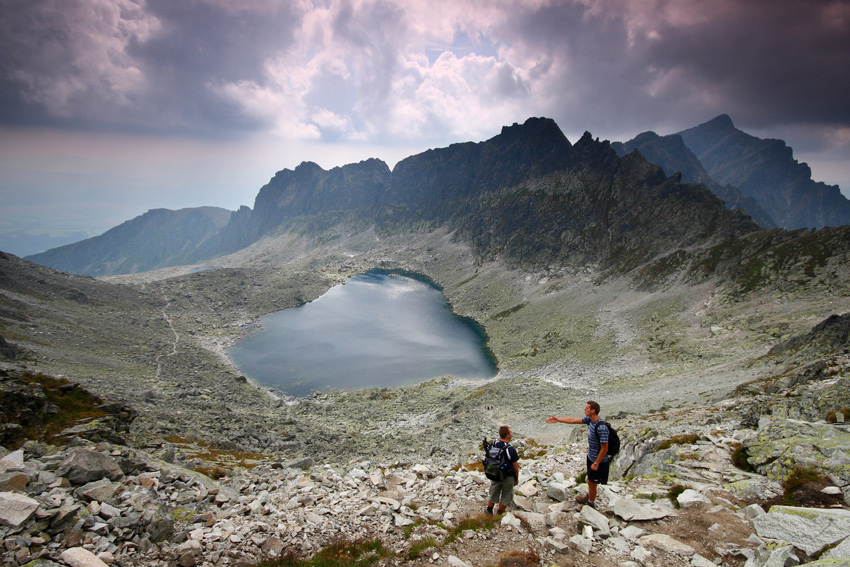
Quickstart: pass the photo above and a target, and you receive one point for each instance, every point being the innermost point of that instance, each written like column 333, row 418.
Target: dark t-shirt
column 511, row 456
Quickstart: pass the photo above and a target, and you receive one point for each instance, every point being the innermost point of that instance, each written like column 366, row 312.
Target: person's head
column 592, row 408
column 505, row 433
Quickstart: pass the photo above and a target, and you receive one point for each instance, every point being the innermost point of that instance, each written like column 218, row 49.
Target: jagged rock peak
column 719, row 123
column 541, row 128
column 310, row 168
column 647, row 136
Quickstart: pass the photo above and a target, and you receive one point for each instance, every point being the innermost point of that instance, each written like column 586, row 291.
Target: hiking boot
column 489, row 511
column 581, row 497
column 591, row 504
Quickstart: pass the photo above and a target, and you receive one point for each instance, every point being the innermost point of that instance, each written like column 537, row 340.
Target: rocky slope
column 153, row 240
column 676, row 497
column 629, row 287
column 767, row 171
column 744, row 361
column 671, row 153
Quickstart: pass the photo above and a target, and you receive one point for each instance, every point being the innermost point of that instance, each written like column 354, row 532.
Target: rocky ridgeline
column 90, row 504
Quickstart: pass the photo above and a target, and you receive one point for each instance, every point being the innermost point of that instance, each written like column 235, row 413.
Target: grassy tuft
column 475, row 523
column 420, row 546
column 832, row 416
column 674, row 493
column 341, row 554
column 678, row 440
column 740, row 458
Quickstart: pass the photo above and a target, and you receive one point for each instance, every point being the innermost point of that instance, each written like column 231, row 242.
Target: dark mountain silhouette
column 527, row 196
column 767, row 171
column 156, row 239
column 671, row 153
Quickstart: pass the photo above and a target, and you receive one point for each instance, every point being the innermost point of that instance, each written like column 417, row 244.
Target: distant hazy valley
column 592, row 274
column 719, row 348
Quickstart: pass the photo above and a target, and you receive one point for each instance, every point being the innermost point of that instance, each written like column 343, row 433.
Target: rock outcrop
column 671, row 153
column 125, row 506
column 767, row 171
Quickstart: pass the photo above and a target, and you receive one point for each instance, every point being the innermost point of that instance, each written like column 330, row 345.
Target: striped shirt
column 597, row 433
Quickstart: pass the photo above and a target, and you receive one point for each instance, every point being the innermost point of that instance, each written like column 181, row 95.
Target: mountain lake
column 377, row 330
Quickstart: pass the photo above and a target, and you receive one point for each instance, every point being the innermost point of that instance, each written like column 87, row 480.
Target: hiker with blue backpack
column 501, row 466
column 599, row 434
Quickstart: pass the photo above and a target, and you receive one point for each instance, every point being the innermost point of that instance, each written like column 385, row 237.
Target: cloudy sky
column 109, row 108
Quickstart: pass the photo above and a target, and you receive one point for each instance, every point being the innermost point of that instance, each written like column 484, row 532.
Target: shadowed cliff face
column 431, row 184
column 527, row 195
column 354, row 189
column 601, row 210
column 767, row 171
column 671, row 153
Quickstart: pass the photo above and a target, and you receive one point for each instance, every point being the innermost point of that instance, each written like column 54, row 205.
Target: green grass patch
column 341, row 554
column 408, row 530
column 420, row 546
column 673, row 494
column 474, row 523
column 217, row 458
column 74, row 404
column 678, row 440
column 740, row 458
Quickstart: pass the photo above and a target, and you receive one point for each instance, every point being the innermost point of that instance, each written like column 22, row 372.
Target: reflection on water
column 374, row 331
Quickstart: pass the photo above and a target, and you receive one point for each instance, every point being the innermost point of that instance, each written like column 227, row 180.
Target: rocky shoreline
column 678, row 499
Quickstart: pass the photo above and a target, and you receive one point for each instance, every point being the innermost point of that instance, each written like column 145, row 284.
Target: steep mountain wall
column 671, row 153
column 767, row 171
column 527, row 195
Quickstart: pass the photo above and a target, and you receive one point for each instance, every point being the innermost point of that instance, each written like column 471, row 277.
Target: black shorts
column 600, row 475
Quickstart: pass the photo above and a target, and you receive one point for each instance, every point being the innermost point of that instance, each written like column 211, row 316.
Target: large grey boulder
column 15, row 509
column 691, row 498
column 841, row 551
column 631, row 510
column 787, row 443
column 596, row 519
column 666, row 544
column 807, row 529
column 755, row 487
column 83, row 466
column 13, row 462
column 81, row 557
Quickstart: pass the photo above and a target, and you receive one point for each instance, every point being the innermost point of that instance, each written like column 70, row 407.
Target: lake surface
column 376, row 330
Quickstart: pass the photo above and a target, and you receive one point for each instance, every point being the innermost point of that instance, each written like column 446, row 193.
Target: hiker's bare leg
column 591, row 491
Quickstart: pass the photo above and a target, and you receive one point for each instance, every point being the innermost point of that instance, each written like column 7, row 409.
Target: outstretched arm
column 570, row 420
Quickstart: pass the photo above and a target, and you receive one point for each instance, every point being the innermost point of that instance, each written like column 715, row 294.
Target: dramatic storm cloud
column 129, row 95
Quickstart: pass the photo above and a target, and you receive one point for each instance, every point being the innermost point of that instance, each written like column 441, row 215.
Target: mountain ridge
column 765, row 169
column 155, row 239
column 474, row 188
column 671, row 153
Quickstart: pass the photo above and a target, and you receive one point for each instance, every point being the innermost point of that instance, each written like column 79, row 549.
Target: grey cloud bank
column 180, row 89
